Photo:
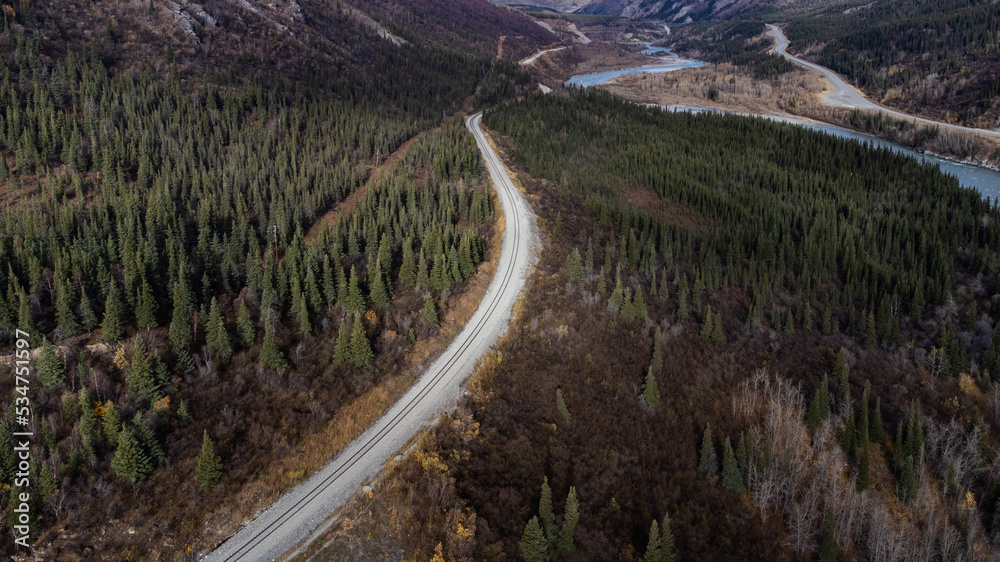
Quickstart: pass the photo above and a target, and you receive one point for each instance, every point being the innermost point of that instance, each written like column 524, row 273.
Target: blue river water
column 984, row 180
column 669, row 64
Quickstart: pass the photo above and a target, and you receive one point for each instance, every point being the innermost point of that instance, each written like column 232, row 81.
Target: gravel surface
column 845, row 95
column 305, row 507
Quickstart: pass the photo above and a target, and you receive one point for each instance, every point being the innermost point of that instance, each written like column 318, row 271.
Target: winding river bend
column 983, row 180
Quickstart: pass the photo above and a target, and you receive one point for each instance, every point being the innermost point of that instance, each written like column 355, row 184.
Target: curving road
column 305, row 507
column 845, row 95
column 534, row 57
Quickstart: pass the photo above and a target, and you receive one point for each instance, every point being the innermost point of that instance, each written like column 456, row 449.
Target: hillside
column 773, row 343
column 932, row 58
column 234, row 232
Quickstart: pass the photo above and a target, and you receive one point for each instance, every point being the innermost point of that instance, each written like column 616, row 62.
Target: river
column 984, row 180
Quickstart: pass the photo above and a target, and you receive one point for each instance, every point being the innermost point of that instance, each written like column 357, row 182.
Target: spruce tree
column 209, row 468
column 361, row 352
column 112, row 422
column 354, row 303
column 533, row 545
column 571, row 516
column 270, row 355
column 342, row 349
column 142, row 383
column 147, row 439
column 708, row 463
column 617, row 298
column 130, row 462
column 88, row 318
column 88, row 420
column 423, row 278
column 878, row 434
column 574, row 266
column 650, row 391
column 180, row 320
column 379, row 293
column 408, row 270
column 111, row 327
column 244, row 325
column 819, row 409
column 708, row 323
column 667, row 549
column 654, row 552
column 732, row 479
column 216, row 335
column 561, row 406
column 145, row 310
column 548, row 517
column 66, row 322
column 639, row 305
column 50, row 368
column 717, row 336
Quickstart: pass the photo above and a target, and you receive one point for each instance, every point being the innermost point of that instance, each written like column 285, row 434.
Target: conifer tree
column 180, row 322
column 717, row 336
column 216, row 335
column 602, row 286
column 849, row 440
column 408, row 271
column 142, row 383
column 145, row 310
column 667, row 549
column 354, row 303
column 244, row 325
column 130, row 462
column 361, row 352
column 548, row 517
column 654, row 547
column 379, row 293
column 708, row 463
column 819, row 409
column 708, row 323
column 209, row 468
column 342, row 349
column 46, row 484
column 533, row 545
column 650, row 391
column 561, row 406
column 574, row 266
column 878, row 434
column 870, row 339
column 66, row 323
column 88, row 318
column 111, row 327
column 571, row 516
column 147, row 439
column 423, row 278
column 88, row 420
column 558, row 230
column 300, row 311
column 112, row 422
column 50, row 367
column 429, row 312
column 664, row 287
column 656, row 363
column 639, row 305
column 329, row 283
column 732, row 479
column 270, row 355
column 864, row 462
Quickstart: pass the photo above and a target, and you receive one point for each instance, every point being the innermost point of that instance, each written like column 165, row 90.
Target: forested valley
column 935, row 58
column 227, row 267
column 745, row 341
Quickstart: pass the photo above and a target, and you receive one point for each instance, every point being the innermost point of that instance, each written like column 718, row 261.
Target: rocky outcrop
column 186, row 15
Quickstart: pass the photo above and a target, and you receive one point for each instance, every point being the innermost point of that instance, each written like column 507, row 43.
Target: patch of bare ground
column 654, row 205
